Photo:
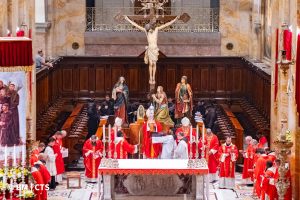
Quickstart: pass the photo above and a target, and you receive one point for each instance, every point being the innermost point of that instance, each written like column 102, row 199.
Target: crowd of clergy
column 260, row 165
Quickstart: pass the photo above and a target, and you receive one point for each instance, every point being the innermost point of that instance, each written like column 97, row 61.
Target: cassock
column 123, row 148
column 151, row 150
column 211, row 143
column 263, row 142
column 248, row 164
column 34, row 156
column 268, row 188
column 260, row 167
column 92, row 158
column 38, row 179
column 168, row 146
column 228, row 157
column 181, row 151
column 187, row 135
column 59, row 161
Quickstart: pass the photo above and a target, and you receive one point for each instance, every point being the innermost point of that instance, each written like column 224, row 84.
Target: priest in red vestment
column 187, row 128
column 268, row 188
column 35, row 153
column 123, row 148
column 44, row 171
column 248, row 155
column 116, row 128
column 40, row 188
column 59, row 161
column 259, row 169
column 92, row 154
column 151, row 126
column 228, row 156
column 211, row 147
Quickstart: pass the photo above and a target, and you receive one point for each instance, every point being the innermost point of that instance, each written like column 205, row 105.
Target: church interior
column 150, row 99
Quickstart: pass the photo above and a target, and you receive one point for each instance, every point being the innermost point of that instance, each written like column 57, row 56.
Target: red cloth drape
column 287, row 43
column 298, row 76
column 276, row 69
column 15, row 52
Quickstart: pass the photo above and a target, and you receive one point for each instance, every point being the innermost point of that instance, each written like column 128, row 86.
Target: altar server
column 50, row 162
column 92, row 154
column 228, row 156
column 168, row 144
column 151, row 150
column 181, row 151
column 35, row 153
column 211, row 148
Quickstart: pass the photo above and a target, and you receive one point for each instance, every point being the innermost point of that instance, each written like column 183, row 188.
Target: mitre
column 185, row 121
column 118, row 122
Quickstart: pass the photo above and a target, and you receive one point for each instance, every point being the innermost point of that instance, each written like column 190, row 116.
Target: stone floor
column 90, row 192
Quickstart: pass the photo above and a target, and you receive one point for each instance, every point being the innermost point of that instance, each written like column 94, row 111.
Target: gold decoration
column 16, row 69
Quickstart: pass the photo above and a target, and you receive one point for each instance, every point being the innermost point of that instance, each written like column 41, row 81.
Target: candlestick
column 203, row 147
column 103, row 132
column 5, row 156
column 115, row 142
column 197, row 133
column 191, row 134
column 14, row 157
column 109, row 141
column 109, row 133
column 23, row 154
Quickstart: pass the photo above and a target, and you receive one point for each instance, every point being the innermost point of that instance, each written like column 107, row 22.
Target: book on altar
column 65, row 152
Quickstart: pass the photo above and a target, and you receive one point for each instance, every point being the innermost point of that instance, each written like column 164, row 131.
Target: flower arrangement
column 27, row 194
column 14, row 172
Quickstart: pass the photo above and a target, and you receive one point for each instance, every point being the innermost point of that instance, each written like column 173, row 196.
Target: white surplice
column 181, row 151
column 168, row 146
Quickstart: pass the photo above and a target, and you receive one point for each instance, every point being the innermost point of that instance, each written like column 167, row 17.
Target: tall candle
column 103, row 132
column 197, row 133
column 191, row 133
column 115, row 133
column 109, row 132
column 203, row 129
column 23, row 153
column 15, row 158
column 5, row 156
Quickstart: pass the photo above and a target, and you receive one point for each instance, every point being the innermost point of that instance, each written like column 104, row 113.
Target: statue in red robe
column 186, row 129
column 228, row 156
column 248, row 155
column 211, row 148
column 92, row 154
column 151, row 126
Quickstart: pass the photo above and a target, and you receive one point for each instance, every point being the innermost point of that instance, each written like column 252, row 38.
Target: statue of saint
column 120, row 95
column 162, row 110
column 152, row 51
column 184, row 99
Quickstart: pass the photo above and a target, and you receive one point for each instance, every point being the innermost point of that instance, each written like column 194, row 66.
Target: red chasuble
column 187, row 135
column 211, row 152
column 59, row 161
column 248, row 162
column 228, row 157
column 268, row 187
column 38, row 178
column 260, row 166
column 149, row 149
column 34, row 156
column 123, row 148
column 92, row 160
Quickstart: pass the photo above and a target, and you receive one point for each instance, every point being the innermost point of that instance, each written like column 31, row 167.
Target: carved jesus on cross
column 152, row 51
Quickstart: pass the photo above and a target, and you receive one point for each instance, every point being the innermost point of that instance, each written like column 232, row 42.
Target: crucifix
column 155, row 21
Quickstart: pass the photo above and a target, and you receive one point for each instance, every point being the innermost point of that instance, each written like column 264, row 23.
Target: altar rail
column 104, row 19
column 210, row 77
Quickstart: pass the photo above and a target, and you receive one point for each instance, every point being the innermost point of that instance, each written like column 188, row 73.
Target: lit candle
column 191, row 134
column 115, row 133
column 203, row 129
column 5, row 156
column 23, row 153
column 197, row 133
column 109, row 133
column 103, row 133
column 14, row 158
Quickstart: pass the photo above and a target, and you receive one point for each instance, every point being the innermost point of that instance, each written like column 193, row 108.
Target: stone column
column 3, row 18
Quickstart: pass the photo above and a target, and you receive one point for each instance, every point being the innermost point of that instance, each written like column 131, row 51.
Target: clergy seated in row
column 211, row 149
column 151, row 126
column 122, row 147
column 35, row 153
column 189, row 133
column 228, row 155
column 92, row 154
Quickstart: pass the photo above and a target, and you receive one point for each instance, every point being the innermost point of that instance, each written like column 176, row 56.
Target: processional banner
column 15, row 92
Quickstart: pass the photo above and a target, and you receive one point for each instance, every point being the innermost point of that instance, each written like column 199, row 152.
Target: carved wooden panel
column 236, row 79
column 204, row 83
column 116, row 72
column 133, row 79
column 220, row 79
column 171, row 81
column 83, row 78
column 100, row 79
column 67, row 83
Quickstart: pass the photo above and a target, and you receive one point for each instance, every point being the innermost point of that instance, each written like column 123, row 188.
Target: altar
column 153, row 179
